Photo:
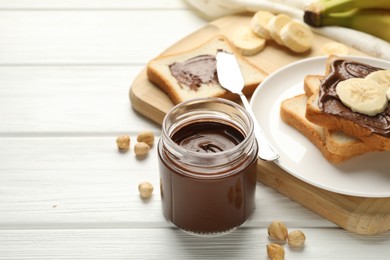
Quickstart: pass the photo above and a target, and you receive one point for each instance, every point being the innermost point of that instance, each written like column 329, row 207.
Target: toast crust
column 292, row 112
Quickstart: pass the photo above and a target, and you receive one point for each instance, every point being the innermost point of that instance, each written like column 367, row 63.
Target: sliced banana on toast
column 363, row 96
column 381, row 76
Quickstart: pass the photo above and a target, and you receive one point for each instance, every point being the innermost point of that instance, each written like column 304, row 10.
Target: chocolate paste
column 201, row 204
column 196, row 71
column 208, row 137
column 330, row 103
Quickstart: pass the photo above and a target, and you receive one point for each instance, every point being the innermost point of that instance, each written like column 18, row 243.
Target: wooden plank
column 91, row 4
column 53, row 100
column 84, row 182
column 360, row 215
column 90, row 37
column 166, row 243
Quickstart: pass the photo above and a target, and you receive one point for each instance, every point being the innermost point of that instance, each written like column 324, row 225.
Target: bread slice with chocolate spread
column 374, row 131
column 192, row 73
column 335, row 146
column 292, row 111
column 336, row 141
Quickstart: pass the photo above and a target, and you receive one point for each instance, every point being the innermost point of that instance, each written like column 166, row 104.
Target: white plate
column 364, row 176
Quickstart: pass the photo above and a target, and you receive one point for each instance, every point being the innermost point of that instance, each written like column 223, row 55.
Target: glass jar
column 207, row 161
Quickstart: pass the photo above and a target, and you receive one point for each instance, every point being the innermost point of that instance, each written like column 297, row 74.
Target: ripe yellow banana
column 372, row 21
column 324, row 7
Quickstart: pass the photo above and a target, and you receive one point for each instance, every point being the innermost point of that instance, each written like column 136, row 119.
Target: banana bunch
column 369, row 16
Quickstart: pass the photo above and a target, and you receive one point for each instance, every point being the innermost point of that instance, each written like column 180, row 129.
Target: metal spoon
column 230, row 78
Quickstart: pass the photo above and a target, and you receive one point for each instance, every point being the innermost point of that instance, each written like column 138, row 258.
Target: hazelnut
column 146, row 137
column 277, row 230
column 296, row 238
column 145, row 189
column 141, row 149
column 123, row 142
column 275, row 252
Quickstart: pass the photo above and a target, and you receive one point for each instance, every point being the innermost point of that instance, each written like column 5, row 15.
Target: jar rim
column 247, row 138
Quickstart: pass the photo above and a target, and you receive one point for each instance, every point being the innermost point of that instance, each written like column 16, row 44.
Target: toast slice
column 335, row 141
column 335, row 146
column 159, row 72
column 292, row 111
column 338, row 122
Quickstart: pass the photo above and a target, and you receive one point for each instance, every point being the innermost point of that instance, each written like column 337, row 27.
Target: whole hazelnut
column 141, row 149
column 275, row 251
column 123, row 142
column 296, row 238
column 145, row 189
column 278, row 230
column 146, row 137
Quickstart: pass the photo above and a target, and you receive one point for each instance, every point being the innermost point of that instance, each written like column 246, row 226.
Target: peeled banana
column 275, row 26
column 259, row 24
column 247, row 42
column 369, row 16
column 297, row 36
column 363, row 96
column 381, row 76
column 334, row 48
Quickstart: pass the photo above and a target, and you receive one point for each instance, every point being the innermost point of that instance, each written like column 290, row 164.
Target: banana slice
column 247, row 42
column 297, row 36
column 334, row 48
column 380, row 76
column 388, row 94
column 275, row 26
column 259, row 24
column 362, row 96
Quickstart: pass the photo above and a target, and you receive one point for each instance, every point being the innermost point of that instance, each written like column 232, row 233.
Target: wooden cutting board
column 356, row 214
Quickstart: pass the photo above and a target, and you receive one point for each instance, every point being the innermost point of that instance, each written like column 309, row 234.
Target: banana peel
column 372, row 17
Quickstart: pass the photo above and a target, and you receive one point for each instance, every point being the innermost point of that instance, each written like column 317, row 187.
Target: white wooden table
column 65, row 190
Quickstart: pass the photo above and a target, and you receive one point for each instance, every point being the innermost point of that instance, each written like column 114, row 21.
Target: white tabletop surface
column 65, row 190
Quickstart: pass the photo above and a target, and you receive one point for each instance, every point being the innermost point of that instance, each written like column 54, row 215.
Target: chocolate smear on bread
column 330, row 103
column 196, row 71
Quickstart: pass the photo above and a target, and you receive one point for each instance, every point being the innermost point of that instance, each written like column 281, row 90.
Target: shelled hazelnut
column 146, row 137
column 123, row 142
column 275, row 252
column 296, row 238
column 145, row 189
column 141, row 149
column 278, row 230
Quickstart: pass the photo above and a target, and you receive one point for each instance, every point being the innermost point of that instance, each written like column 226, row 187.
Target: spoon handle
column 266, row 151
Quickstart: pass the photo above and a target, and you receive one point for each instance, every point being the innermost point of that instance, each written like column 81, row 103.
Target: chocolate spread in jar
column 196, row 71
column 208, row 137
column 330, row 103
column 211, row 202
